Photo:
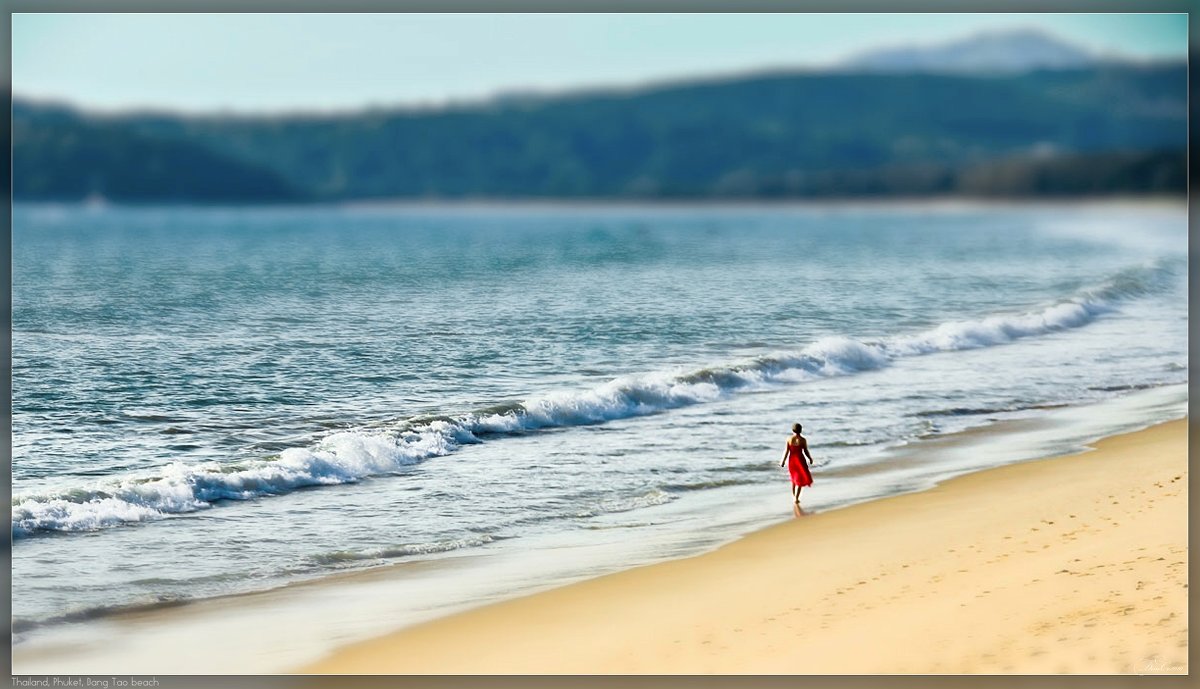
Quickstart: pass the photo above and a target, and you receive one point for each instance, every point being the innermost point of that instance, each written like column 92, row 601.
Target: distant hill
column 1015, row 50
column 58, row 155
column 793, row 134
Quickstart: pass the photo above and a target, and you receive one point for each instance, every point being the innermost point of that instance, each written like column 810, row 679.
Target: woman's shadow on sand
column 798, row 511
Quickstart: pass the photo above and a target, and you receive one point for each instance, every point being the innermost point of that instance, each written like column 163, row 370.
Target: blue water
column 214, row 401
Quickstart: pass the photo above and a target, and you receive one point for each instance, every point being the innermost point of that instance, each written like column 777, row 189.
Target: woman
column 797, row 449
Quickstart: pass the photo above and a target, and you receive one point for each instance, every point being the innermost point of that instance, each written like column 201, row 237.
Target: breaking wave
column 350, row 456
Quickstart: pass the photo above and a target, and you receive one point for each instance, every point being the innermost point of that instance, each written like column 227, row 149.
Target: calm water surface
column 212, row 401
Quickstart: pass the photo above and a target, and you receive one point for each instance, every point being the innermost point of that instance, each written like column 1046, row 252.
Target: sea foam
column 350, row 456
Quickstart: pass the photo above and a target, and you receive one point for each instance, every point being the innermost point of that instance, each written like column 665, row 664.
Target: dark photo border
column 614, row 6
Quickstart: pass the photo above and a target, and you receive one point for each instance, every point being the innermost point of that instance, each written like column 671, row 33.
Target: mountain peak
column 1009, row 50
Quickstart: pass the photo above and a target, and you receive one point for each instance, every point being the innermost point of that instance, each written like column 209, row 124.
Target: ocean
column 218, row 401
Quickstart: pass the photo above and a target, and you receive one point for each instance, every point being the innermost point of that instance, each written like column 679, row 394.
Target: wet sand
column 1072, row 564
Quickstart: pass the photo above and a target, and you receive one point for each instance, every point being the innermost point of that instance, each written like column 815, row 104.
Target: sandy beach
column 1073, row 564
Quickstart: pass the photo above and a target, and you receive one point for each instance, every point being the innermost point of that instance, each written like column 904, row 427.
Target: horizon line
column 517, row 94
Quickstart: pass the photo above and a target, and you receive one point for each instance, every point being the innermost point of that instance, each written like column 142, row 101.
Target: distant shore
column 1074, row 564
column 944, row 202
column 948, row 202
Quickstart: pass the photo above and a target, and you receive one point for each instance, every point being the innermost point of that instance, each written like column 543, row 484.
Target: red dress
column 798, row 467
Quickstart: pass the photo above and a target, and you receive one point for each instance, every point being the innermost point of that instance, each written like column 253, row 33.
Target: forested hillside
column 1109, row 128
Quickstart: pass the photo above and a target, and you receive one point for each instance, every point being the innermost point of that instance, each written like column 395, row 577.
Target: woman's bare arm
column 804, row 447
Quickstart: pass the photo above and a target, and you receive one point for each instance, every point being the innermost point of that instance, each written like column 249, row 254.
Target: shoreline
column 1069, row 576
column 318, row 616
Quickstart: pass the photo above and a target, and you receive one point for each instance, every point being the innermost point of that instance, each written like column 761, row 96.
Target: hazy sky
column 271, row 62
